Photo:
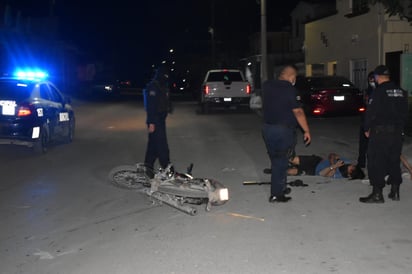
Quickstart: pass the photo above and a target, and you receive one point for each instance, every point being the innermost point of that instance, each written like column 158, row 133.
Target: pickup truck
column 226, row 87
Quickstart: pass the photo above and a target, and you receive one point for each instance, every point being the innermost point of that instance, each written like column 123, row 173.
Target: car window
column 55, row 95
column 44, row 92
column 225, row 76
column 329, row 82
column 15, row 91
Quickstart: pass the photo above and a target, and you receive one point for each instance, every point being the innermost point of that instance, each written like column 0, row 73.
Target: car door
column 63, row 112
column 51, row 110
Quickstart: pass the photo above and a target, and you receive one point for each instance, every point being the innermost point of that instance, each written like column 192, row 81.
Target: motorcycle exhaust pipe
column 167, row 199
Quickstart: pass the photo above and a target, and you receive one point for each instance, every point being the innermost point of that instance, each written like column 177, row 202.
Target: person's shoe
column 297, row 183
column 267, row 171
column 279, row 199
column 394, row 193
column 287, row 191
column 373, row 198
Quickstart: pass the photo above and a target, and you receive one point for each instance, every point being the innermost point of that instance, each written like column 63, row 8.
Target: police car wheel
column 40, row 146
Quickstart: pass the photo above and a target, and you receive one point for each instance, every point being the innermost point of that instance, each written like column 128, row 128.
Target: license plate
column 227, row 99
column 339, row 98
column 8, row 107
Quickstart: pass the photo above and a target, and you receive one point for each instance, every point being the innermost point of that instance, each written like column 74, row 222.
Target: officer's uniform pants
column 279, row 142
column 157, row 147
column 384, row 151
column 363, row 148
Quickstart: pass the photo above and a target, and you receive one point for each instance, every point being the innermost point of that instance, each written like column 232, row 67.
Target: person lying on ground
column 333, row 167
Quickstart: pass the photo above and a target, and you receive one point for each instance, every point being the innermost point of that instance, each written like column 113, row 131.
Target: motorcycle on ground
column 178, row 190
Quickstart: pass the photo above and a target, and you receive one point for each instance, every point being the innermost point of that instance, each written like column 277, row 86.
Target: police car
column 33, row 112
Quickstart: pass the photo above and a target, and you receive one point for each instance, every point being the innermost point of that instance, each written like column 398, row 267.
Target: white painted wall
column 368, row 36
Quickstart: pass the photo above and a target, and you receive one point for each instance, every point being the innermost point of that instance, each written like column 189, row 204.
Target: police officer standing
column 385, row 120
column 157, row 104
column 281, row 114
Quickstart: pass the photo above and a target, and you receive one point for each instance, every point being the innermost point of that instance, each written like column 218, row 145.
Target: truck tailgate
column 234, row 89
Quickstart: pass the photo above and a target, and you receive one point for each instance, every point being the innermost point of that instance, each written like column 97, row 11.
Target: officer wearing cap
column 385, row 120
column 157, row 105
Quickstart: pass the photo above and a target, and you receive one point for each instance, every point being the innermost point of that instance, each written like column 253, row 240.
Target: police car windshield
column 225, row 76
column 329, row 82
column 12, row 90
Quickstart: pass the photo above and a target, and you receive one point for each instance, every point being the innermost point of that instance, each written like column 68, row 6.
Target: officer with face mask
column 282, row 113
column 385, row 120
column 157, row 105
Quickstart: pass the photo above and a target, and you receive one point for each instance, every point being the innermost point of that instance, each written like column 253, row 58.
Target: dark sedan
column 324, row 95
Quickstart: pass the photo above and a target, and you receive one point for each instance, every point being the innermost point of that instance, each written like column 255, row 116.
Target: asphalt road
column 59, row 214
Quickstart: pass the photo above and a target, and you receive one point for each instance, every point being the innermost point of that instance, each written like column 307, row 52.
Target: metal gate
column 359, row 74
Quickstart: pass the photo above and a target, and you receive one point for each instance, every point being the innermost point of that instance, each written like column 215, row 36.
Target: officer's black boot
column 394, row 194
column 375, row 197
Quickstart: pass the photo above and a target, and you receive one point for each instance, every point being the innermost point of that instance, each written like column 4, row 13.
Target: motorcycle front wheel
column 129, row 177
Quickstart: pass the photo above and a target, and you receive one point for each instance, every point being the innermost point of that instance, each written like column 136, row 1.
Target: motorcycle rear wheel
column 129, row 177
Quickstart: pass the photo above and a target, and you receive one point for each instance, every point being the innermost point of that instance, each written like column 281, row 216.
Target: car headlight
column 108, row 88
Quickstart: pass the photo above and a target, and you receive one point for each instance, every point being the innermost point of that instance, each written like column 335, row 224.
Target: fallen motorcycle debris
column 178, row 190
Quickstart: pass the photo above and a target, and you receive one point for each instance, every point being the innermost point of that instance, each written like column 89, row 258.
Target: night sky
column 127, row 32
column 142, row 31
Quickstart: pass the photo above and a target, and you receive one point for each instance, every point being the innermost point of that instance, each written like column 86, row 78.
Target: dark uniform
column 363, row 140
column 156, row 99
column 279, row 129
column 385, row 118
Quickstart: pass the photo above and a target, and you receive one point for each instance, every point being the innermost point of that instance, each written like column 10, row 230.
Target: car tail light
column 248, row 89
column 318, row 111
column 362, row 109
column 206, row 90
column 24, row 111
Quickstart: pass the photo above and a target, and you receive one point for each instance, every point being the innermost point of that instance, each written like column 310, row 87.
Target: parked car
column 224, row 87
column 329, row 95
column 33, row 112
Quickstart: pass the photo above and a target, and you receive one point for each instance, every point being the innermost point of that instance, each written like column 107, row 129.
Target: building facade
column 355, row 40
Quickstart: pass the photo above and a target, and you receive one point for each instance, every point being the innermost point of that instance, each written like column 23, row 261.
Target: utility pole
column 212, row 31
column 263, row 41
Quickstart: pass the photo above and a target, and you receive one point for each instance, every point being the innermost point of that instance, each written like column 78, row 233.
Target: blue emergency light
column 31, row 75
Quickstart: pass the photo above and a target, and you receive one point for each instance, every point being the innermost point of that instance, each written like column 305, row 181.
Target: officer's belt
column 281, row 125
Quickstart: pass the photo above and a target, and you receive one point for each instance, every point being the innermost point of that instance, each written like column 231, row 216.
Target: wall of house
column 397, row 36
column 303, row 12
column 340, row 39
column 352, row 46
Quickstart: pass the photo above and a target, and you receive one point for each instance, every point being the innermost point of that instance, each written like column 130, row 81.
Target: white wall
column 368, row 36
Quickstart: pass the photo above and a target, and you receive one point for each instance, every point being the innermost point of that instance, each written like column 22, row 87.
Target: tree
column 403, row 8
